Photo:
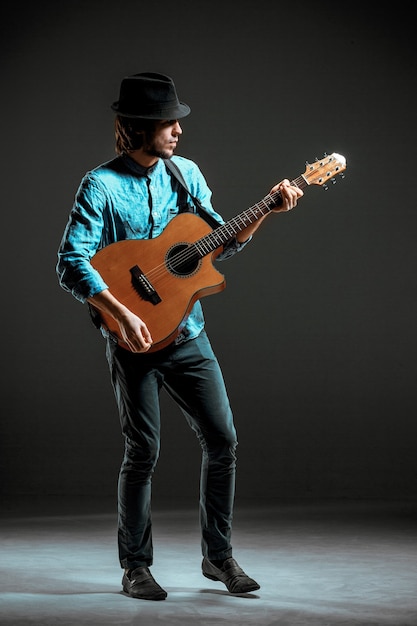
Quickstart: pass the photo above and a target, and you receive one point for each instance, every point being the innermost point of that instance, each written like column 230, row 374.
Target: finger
column 287, row 197
column 137, row 343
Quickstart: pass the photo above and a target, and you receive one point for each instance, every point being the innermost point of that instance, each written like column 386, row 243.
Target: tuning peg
column 333, row 181
column 342, row 174
column 325, row 187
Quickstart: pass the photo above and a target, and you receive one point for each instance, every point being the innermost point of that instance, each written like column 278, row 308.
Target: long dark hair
column 130, row 132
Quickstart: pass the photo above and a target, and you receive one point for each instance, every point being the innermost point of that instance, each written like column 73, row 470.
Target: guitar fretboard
column 221, row 235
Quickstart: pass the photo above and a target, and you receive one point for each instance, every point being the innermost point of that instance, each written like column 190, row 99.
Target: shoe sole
column 248, row 590
column 161, row 596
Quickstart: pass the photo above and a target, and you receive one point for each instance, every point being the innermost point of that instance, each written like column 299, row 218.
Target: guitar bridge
column 143, row 286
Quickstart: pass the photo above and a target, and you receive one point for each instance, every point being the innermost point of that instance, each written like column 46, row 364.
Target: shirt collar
column 137, row 169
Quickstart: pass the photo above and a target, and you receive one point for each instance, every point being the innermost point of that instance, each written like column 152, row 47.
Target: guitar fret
column 215, row 236
column 230, row 232
column 202, row 247
column 274, row 199
column 265, row 203
column 234, row 224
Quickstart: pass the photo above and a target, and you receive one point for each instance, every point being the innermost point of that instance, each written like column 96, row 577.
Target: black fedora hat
column 149, row 95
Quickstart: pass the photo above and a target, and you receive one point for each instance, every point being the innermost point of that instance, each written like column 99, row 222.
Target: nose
column 177, row 130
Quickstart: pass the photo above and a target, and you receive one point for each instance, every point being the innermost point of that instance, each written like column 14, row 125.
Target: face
column 163, row 141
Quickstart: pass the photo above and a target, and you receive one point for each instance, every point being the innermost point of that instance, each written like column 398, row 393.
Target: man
column 135, row 196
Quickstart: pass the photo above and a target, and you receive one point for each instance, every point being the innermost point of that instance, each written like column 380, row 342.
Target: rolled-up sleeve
column 81, row 239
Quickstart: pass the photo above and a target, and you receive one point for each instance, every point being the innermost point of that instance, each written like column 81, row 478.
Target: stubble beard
column 161, row 154
column 153, row 150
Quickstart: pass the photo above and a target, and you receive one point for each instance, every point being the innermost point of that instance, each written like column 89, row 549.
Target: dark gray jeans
column 190, row 373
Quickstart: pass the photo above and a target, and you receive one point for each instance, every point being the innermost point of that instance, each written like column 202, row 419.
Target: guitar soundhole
column 182, row 260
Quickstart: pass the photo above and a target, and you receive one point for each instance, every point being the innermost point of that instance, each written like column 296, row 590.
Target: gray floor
column 321, row 564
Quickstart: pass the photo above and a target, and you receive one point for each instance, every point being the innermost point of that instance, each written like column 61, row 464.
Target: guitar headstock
column 325, row 169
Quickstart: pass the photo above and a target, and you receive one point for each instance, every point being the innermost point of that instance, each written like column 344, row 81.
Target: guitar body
column 174, row 290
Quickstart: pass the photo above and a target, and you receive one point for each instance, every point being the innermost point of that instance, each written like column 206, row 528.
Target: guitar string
column 210, row 242
column 217, row 237
column 236, row 224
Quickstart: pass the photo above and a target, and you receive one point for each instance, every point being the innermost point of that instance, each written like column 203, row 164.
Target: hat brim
column 177, row 112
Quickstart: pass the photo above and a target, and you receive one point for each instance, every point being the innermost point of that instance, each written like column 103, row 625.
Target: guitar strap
column 176, row 172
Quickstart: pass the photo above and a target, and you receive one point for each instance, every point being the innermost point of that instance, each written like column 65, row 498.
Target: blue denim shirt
column 122, row 200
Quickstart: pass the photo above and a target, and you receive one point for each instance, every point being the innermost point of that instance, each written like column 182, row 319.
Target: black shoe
column 139, row 583
column 231, row 575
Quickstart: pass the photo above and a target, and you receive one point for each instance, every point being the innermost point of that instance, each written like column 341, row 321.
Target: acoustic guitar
column 160, row 279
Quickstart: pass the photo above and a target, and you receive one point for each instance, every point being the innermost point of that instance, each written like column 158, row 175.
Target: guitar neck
column 222, row 234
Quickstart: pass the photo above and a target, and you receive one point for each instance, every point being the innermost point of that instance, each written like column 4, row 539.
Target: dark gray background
column 316, row 331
